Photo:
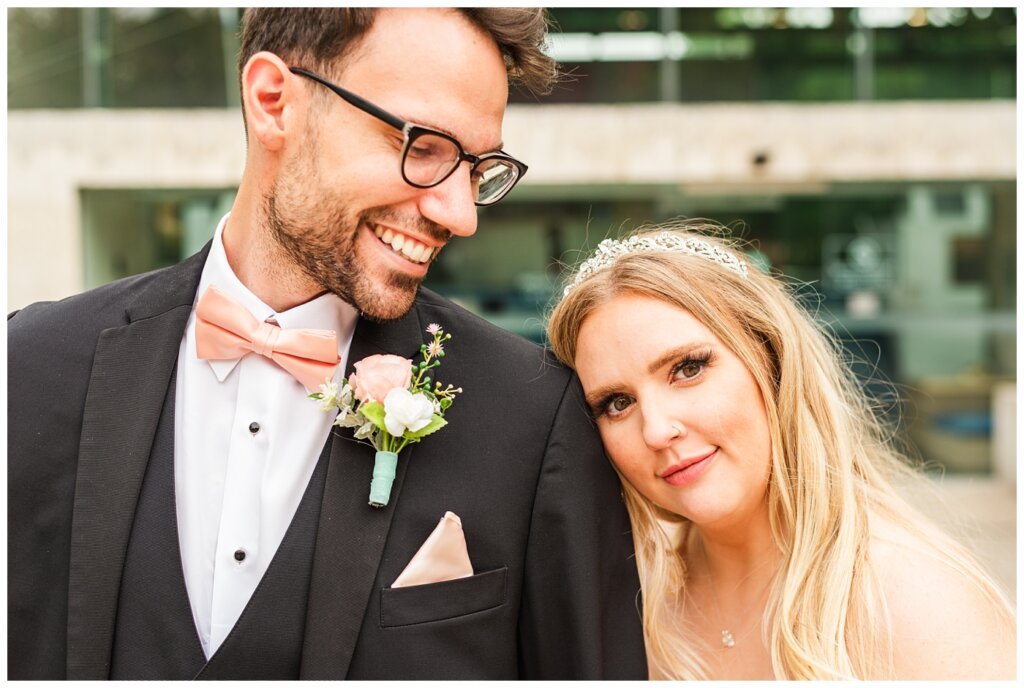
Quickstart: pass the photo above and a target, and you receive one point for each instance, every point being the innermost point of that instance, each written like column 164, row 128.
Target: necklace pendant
column 727, row 639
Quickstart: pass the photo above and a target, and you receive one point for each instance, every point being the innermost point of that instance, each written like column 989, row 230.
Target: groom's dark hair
column 318, row 37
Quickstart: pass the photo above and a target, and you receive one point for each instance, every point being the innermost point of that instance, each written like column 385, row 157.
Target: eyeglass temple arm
column 351, row 98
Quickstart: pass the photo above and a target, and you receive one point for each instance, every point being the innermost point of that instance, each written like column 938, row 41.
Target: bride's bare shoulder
column 944, row 626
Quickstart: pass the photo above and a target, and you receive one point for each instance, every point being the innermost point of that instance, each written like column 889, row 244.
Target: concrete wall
column 701, row 149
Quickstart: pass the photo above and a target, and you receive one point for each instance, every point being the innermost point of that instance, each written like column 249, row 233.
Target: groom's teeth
column 419, row 254
column 406, row 246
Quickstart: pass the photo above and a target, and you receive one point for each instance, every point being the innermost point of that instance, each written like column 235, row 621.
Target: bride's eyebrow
column 595, row 398
column 674, row 355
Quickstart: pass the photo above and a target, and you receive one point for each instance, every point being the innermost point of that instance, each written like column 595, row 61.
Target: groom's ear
column 274, row 100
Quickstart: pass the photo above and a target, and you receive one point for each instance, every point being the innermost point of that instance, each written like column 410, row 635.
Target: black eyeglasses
column 429, row 157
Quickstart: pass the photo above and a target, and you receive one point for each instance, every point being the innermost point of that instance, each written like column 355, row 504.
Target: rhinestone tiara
column 610, row 250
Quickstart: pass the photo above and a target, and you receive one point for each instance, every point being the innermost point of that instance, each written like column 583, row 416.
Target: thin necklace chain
column 728, row 639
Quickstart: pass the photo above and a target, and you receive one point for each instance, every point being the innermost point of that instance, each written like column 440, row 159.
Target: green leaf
column 374, row 412
column 435, row 424
column 445, row 403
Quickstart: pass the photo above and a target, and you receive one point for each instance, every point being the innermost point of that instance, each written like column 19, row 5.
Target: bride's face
column 680, row 415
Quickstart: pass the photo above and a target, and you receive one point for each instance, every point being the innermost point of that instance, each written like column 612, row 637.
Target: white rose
column 404, row 410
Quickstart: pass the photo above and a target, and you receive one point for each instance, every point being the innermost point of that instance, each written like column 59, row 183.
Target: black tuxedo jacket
column 555, row 593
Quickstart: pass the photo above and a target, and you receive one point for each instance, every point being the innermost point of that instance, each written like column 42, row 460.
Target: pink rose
column 377, row 375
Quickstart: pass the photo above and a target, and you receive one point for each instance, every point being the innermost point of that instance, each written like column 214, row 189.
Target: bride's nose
column 661, row 429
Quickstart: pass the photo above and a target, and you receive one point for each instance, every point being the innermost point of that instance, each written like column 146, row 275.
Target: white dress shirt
column 246, row 441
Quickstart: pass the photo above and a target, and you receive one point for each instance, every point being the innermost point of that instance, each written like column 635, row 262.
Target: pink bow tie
column 226, row 330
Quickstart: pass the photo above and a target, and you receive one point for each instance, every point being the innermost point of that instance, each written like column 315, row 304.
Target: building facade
column 867, row 154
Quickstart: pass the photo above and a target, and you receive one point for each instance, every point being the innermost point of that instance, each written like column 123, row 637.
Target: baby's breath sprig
column 432, row 352
column 445, row 396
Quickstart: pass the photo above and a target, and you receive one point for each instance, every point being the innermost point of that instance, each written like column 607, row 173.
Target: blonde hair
column 833, row 469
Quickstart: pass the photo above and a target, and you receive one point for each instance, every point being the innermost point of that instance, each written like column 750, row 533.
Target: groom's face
column 340, row 207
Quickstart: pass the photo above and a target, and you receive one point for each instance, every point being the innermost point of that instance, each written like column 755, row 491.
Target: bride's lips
column 688, row 470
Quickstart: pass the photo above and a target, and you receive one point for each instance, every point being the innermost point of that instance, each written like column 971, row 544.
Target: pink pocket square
column 441, row 557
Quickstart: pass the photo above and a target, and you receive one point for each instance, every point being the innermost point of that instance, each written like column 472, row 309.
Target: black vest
column 155, row 637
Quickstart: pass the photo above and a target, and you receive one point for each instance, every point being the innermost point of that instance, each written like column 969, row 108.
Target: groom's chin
column 389, row 303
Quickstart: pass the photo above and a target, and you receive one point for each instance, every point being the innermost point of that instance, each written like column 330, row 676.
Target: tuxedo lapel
column 131, row 371
column 351, row 534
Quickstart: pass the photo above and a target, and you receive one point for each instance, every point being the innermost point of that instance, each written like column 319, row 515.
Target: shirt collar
column 325, row 312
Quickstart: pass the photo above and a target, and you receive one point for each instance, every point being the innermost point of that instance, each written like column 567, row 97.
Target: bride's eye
column 691, row 366
column 619, row 404
column 612, row 406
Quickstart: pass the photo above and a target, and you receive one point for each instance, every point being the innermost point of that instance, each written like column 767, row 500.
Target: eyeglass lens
column 429, row 159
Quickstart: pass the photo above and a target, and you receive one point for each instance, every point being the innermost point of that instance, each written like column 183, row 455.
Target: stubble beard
column 320, row 238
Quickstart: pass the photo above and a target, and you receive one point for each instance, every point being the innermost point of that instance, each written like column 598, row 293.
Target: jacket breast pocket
column 446, row 600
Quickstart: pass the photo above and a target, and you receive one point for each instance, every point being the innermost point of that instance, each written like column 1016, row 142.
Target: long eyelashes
column 691, row 366
column 686, row 371
column 603, row 407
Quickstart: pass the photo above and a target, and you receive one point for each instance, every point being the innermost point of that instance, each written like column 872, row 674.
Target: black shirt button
column 239, row 555
column 254, row 427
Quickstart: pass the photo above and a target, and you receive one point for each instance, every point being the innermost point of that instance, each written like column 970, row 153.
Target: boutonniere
column 391, row 402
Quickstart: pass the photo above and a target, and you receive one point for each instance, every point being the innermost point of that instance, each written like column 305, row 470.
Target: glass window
column 793, row 54
column 185, row 57
column 129, row 231
column 122, row 57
